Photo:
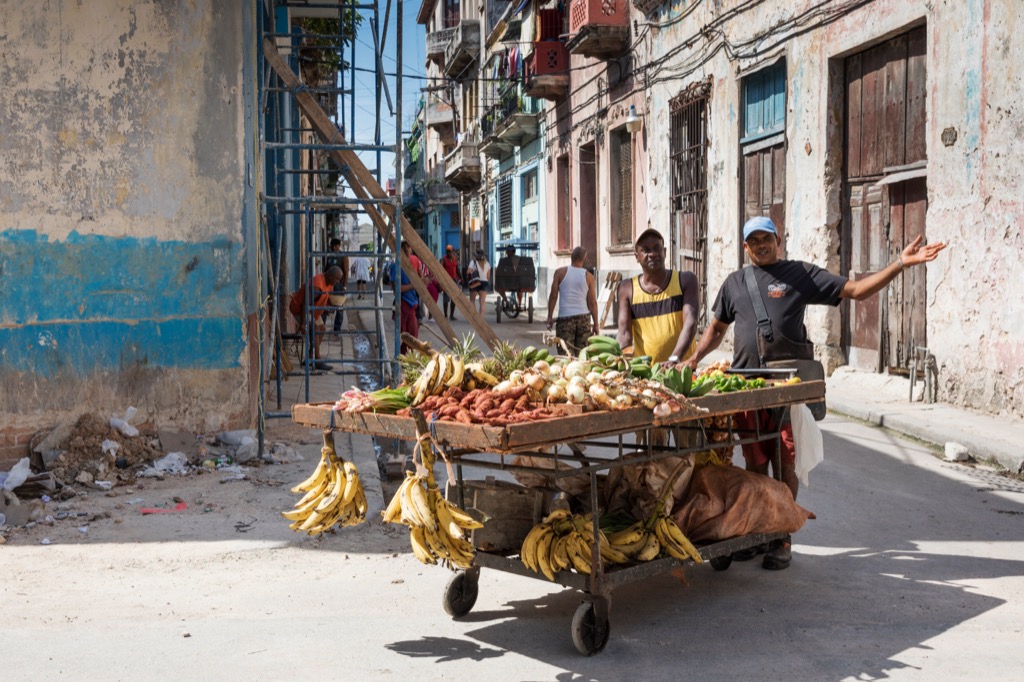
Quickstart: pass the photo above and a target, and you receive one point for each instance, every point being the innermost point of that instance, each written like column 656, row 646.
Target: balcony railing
column 599, row 28
column 462, row 167
column 462, row 50
column 437, row 43
column 515, row 119
column 441, row 119
column 547, row 70
column 437, row 189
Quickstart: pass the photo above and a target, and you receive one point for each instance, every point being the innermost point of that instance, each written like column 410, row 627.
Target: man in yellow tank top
column 658, row 308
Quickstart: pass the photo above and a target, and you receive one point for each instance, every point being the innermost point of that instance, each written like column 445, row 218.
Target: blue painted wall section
column 92, row 303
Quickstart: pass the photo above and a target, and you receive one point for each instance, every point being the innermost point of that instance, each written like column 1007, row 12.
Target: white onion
column 574, row 369
column 534, row 381
column 624, row 400
column 557, row 394
column 516, row 377
column 503, row 386
column 542, row 366
column 593, row 377
column 611, row 375
column 600, row 395
column 662, row 410
column 576, row 394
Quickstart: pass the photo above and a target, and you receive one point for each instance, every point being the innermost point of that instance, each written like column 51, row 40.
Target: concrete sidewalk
column 883, row 400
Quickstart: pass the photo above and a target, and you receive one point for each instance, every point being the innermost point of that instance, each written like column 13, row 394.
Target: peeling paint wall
column 975, row 49
column 121, row 200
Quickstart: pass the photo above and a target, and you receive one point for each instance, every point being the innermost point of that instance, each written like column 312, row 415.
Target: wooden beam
column 365, row 186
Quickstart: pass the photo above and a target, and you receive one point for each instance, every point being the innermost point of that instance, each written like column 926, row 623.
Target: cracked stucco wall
column 121, row 175
column 975, row 87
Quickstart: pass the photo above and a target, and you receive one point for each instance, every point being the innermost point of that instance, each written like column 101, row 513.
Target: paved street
column 913, row 570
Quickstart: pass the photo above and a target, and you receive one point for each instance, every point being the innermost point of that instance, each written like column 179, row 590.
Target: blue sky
column 413, row 55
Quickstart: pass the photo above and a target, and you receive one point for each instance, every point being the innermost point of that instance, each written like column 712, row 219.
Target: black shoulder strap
column 764, row 323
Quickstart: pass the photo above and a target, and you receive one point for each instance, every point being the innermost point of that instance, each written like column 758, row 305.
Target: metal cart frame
column 559, row 440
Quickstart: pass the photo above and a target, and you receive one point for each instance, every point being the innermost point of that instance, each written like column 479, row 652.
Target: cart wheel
column 589, row 631
column 512, row 307
column 529, row 316
column 721, row 563
column 460, row 594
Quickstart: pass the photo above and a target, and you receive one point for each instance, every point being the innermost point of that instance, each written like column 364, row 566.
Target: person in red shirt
column 323, row 287
column 450, row 263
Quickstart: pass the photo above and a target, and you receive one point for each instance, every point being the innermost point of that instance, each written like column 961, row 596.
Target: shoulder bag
column 776, row 351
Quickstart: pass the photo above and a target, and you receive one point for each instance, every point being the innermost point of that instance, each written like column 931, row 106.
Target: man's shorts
column 758, row 454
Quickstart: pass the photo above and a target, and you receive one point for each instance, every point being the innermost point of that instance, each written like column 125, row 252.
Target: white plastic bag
column 807, row 441
column 18, row 474
column 123, row 425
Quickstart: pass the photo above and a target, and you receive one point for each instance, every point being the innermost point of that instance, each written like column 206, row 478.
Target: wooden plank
column 894, row 102
column 917, row 85
column 545, row 432
column 853, row 121
column 365, row 186
column 871, row 113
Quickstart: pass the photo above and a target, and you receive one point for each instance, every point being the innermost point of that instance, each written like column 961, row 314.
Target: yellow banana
column 318, row 475
column 544, row 554
column 436, row 542
column 579, row 555
column 528, row 553
column 394, row 508
column 460, row 550
column 420, row 548
column 613, row 555
column 442, row 375
column 352, row 484
column 559, row 558
column 458, row 372
column 462, row 518
column 445, row 520
column 422, row 509
column 677, row 536
column 629, row 536
column 557, row 515
column 651, row 548
column 477, row 372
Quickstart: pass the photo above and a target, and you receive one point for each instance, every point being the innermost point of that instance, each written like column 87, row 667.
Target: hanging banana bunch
column 437, row 528
column 333, row 494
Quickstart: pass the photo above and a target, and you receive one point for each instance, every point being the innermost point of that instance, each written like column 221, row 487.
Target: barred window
column 505, row 204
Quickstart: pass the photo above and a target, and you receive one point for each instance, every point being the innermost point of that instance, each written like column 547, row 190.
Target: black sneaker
column 749, row 553
column 322, row 366
column 780, row 553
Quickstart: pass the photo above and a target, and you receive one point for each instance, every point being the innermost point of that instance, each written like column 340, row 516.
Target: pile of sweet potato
column 483, row 406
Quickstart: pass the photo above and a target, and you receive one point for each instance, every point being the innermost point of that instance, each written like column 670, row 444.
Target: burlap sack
column 727, row 502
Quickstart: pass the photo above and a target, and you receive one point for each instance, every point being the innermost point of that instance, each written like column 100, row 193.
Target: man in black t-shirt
column 787, row 288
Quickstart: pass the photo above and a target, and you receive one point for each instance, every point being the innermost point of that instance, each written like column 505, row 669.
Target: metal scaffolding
column 309, row 141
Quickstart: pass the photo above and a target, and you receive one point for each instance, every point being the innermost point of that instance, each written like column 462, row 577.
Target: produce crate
column 508, row 511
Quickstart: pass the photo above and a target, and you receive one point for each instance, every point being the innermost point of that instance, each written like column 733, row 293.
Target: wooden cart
column 588, row 443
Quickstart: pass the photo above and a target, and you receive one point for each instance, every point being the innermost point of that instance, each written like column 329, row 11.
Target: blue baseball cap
column 759, row 224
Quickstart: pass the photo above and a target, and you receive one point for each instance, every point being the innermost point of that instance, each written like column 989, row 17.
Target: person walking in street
column 574, row 290
column 341, row 262
column 410, row 301
column 658, row 308
column 450, row 263
column 323, row 287
column 787, row 287
column 361, row 273
column 510, row 263
column 479, row 276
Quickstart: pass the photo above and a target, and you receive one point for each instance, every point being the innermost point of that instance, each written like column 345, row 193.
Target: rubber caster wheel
column 460, row 594
column 589, row 631
column 721, row 563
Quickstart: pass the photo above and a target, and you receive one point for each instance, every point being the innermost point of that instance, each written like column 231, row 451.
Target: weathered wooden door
column 688, row 149
column 884, row 197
